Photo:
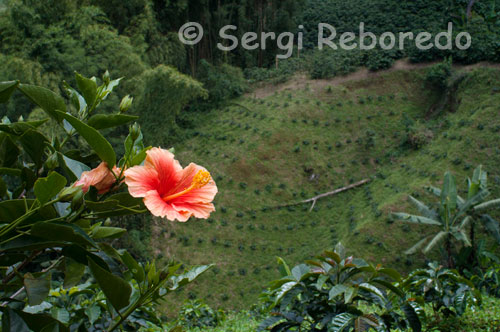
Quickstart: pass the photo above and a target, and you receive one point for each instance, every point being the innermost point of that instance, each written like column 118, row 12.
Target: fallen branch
column 331, row 193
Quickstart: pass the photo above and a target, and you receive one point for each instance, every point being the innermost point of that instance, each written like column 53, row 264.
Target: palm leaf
column 492, row 226
column 417, row 246
column 415, row 219
column 461, row 236
column 439, row 237
column 449, row 192
column 488, row 205
column 422, row 208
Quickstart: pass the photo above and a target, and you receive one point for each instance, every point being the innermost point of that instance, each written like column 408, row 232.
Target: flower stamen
column 201, row 179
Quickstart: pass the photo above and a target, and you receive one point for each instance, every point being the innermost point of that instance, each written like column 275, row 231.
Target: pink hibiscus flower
column 101, row 177
column 169, row 190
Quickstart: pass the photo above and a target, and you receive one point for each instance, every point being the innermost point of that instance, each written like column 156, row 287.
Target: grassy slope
column 264, row 152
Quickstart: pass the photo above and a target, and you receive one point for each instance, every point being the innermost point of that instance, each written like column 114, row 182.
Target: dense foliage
column 59, row 270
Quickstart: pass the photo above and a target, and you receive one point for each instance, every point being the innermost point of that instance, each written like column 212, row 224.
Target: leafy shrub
column 198, row 314
column 446, row 290
column 324, row 295
column 438, row 75
column 222, row 82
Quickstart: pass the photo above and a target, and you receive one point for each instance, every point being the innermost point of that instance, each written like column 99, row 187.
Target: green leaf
column 415, row 219
column 412, row 317
column 349, row 294
column 12, row 322
column 103, row 121
column 492, row 226
column 439, row 237
column 116, row 289
column 494, row 203
column 283, row 267
column 93, row 312
column 36, row 288
column 76, row 98
column 10, row 171
column 34, row 144
column 72, row 168
column 8, row 151
column 336, row 291
column 98, row 143
column 61, row 314
column 19, row 128
column 87, row 87
column 6, row 90
column 62, row 231
column 73, row 272
column 300, row 271
column 183, row 279
column 341, row 322
column 108, row 232
column 47, row 100
column 48, row 187
column 417, row 246
column 15, row 208
column 3, row 188
column 424, row 209
column 449, row 192
column 133, row 266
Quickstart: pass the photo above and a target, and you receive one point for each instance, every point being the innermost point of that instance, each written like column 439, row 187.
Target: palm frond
column 415, row 219
column 438, row 238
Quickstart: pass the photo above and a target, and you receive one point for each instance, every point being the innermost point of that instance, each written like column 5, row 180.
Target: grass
column 295, row 144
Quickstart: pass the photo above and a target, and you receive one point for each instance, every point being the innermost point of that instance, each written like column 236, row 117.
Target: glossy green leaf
column 116, row 289
column 47, row 100
column 62, row 231
column 104, row 232
column 36, row 288
column 12, row 322
column 103, row 121
column 449, row 192
column 72, row 168
column 18, row 128
column 8, row 151
column 73, row 272
column 133, row 266
column 34, row 143
column 93, row 312
column 492, row 226
column 3, row 188
column 96, row 141
column 87, row 87
column 6, row 90
column 48, row 187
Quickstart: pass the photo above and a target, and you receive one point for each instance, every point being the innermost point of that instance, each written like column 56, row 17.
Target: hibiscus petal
column 159, row 208
column 199, row 210
column 167, row 169
column 204, row 194
column 140, row 180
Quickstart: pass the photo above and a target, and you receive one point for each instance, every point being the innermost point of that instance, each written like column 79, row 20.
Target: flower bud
column 106, row 78
column 135, row 131
column 68, row 193
column 77, row 201
column 126, row 103
column 51, row 162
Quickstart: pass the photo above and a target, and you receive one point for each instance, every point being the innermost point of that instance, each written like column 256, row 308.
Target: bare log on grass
column 330, row 193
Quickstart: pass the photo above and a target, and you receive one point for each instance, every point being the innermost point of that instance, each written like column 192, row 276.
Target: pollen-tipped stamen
column 200, row 179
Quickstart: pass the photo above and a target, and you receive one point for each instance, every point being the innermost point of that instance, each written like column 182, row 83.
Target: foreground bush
column 59, row 271
column 338, row 293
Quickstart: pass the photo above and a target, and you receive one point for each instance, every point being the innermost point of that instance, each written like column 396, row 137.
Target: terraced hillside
column 296, row 144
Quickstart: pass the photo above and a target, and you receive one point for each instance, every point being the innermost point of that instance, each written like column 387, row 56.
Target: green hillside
column 296, row 144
